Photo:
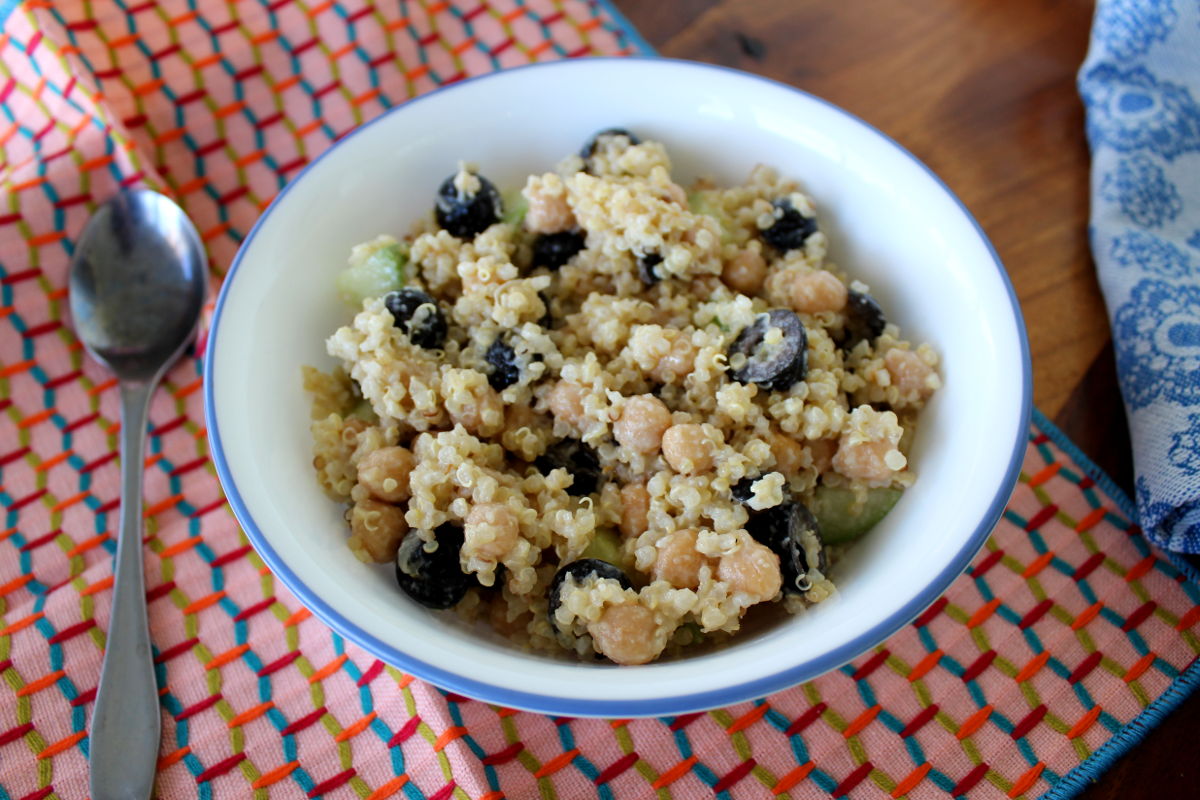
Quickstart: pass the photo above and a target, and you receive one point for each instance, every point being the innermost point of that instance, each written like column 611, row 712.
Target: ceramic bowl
column 892, row 223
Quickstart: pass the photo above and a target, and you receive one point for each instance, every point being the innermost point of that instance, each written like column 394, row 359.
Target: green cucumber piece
column 840, row 518
column 698, row 203
column 363, row 410
column 515, row 206
column 376, row 268
column 694, row 633
column 606, row 546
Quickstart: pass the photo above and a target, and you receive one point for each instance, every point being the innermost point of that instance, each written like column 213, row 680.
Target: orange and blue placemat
column 1065, row 641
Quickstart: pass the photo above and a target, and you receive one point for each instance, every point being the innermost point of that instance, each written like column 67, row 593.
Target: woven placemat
column 1061, row 645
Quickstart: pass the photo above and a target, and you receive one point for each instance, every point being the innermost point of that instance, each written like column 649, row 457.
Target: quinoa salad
column 609, row 416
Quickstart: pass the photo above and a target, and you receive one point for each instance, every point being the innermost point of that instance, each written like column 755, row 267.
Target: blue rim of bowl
column 675, row 704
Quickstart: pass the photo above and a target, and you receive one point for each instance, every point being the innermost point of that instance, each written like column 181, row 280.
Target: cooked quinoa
column 609, row 415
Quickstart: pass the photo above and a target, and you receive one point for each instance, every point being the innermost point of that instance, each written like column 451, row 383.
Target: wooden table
column 984, row 93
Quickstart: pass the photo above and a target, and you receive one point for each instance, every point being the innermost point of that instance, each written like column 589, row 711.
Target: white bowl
column 892, row 224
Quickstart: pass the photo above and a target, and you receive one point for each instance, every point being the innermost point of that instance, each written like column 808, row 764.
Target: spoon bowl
column 137, row 284
column 137, row 287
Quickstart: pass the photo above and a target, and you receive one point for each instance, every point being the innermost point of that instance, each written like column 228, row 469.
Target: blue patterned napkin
column 1141, row 86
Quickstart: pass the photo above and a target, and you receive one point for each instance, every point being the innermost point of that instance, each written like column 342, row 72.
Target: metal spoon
column 137, row 286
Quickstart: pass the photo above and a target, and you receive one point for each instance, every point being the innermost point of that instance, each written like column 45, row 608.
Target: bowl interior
column 891, row 225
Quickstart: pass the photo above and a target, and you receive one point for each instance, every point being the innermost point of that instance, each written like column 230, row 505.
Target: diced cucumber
column 842, row 518
column 376, row 268
column 515, row 206
column 688, row 633
column 362, row 409
column 699, row 203
column 606, row 546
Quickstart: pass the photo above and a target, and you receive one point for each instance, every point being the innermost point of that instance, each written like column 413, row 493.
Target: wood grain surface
column 983, row 92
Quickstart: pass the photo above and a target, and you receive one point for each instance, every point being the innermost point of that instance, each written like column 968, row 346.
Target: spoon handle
column 125, row 722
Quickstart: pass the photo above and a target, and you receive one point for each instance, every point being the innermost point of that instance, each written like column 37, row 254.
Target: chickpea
column 687, row 449
column 818, row 291
column 481, row 414
column 752, row 569
column 626, row 634
column 384, row 473
column 548, row 209
column 635, row 507
column 642, row 423
column 566, row 403
column 490, row 531
column 867, row 450
column 745, row 272
column 871, row 462
column 677, row 362
column 376, row 530
column 909, row 373
column 678, row 562
column 789, row 454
